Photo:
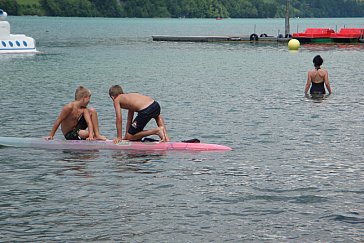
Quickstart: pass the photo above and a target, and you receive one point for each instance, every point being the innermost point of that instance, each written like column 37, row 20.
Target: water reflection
column 136, row 161
column 80, row 155
column 12, row 56
column 350, row 218
column 317, row 98
column 76, row 162
column 334, row 46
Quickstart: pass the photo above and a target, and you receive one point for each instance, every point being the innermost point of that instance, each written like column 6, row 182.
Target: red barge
column 327, row 35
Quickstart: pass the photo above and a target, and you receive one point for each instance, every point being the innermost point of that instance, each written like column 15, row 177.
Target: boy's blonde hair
column 115, row 90
column 82, row 92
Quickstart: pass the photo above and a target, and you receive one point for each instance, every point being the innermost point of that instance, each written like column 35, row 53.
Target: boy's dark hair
column 317, row 61
column 115, row 90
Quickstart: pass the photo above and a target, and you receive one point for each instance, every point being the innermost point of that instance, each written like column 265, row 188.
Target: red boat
column 327, row 35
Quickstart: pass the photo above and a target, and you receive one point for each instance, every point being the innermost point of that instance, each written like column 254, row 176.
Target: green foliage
column 109, row 8
column 9, row 6
column 238, row 8
column 185, row 8
column 68, row 8
column 29, row 7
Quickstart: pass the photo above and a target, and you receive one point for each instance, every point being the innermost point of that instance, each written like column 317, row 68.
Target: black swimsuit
column 317, row 88
column 143, row 117
column 73, row 134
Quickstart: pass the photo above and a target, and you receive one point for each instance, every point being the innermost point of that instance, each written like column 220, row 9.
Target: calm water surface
column 296, row 171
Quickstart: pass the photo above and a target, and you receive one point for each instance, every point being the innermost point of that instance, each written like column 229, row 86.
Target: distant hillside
column 185, row 8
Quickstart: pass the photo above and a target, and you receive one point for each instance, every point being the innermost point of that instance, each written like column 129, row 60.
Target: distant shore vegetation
column 185, row 8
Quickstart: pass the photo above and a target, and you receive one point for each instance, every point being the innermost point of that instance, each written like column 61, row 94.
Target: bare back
column 317, row 75
column 134, row 101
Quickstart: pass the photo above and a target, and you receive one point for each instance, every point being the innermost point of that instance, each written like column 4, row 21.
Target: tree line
column 185, row 8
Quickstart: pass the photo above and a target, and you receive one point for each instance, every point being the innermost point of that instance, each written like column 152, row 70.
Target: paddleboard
column 108, row 145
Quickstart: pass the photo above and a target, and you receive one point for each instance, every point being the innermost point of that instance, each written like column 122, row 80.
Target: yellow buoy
column 294, row 44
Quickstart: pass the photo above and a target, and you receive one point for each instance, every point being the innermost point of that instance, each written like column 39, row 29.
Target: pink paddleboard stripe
column 109, row 144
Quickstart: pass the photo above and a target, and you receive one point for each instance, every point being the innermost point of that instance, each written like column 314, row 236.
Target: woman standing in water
column 318, row 79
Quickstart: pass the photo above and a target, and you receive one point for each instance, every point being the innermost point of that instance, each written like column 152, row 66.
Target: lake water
column 295, row 173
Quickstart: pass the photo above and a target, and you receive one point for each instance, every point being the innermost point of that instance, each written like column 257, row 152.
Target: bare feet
column 100, row 137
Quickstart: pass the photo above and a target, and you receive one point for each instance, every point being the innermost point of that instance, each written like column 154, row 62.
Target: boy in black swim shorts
column 74, row 133
column 75, row 118
column 146, row 109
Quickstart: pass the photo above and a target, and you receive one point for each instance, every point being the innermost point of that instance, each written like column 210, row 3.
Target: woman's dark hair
column 317, row 61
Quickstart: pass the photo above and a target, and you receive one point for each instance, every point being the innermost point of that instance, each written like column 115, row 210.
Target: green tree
column 69, row 8
column 10, row 6
column 186, row 8
column 109, row 8
column 51, row 8
column 240, row 9
column 266, row 8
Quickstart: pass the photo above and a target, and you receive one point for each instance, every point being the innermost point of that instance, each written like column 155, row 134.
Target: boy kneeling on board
column 146, row 108
column 75, row 118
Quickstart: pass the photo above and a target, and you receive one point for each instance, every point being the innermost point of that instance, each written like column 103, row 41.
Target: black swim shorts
column 143, row 117
column 73, row 134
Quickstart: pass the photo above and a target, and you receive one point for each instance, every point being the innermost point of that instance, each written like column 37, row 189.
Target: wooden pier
column 245, row 38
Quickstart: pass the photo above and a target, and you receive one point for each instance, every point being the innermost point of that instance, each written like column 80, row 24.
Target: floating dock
column 246, row 38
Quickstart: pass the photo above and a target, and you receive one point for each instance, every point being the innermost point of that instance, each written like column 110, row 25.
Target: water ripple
column 295, row 174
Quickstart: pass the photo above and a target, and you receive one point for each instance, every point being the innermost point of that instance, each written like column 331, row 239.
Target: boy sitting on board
column 146, row 108
column 75, row 118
